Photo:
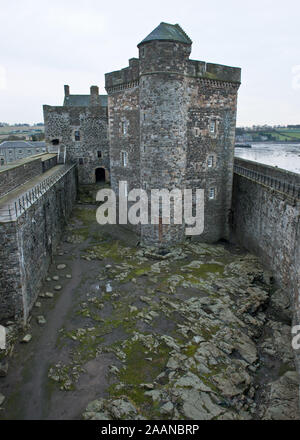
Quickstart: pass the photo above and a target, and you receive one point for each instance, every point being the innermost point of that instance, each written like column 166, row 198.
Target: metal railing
column 277, row 184
column 13, row 210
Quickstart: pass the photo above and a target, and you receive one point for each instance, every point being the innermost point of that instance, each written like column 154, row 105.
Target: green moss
column 86, row 216
column 139, row 370
column 210, row 75
column 190, row 350
column 204, row 271
column 209, row 332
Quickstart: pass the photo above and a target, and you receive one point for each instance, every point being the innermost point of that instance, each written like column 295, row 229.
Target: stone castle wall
column 124, row 109
column 61, row 122
column 266, row 221
column 32, row 237
column 211, row 101
column 18, row 174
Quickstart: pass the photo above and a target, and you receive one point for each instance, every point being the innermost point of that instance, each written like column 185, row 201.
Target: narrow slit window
column 124, row 158
column 212, row 126
column 210, row 161
column 124, row 127
column 212, row 193
column 196, row 131
column 77, row 135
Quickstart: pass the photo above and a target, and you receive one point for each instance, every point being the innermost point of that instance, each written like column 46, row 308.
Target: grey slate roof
column 168, row 32
column 83, row 100
column 22, row 144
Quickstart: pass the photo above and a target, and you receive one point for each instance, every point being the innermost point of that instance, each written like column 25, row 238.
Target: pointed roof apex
column 167, row 32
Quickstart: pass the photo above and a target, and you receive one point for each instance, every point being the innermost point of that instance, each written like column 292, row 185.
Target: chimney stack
column 67, row 90
column 94, row 95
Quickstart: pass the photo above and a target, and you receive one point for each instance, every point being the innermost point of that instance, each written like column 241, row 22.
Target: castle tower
column 172, row 126
column 163, row 57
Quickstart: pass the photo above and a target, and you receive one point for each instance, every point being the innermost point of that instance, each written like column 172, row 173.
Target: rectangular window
column 196, row 131
column 80, row 161
column 99, row 154
column 212, row 126
column 124, row 158
column 210, row 161
column 77, row 135
column 124, row 127
column 212, row 193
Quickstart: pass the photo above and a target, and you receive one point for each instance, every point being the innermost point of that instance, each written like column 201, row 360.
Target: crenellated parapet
column 124, row 78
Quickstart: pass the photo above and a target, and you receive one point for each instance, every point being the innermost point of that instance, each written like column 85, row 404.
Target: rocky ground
column 122, row 332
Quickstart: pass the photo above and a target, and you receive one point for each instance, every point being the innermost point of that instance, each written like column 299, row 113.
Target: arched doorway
column 100, row 175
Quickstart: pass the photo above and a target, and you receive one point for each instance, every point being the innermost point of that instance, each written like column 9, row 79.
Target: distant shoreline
column 273, row 142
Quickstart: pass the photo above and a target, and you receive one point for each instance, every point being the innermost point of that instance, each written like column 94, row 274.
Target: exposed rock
column 167, row 408
column 283, row 398
column 147, row 386
column 41, row 320
column 57, row 287
column 118, row 409
column 190, row 380
column 49, row 295
column 61, row 266
column 114, row 370
column 198, row 406
column 27, row 338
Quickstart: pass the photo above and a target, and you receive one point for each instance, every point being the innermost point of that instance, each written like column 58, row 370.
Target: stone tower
column 172, row 126
column 163, row 59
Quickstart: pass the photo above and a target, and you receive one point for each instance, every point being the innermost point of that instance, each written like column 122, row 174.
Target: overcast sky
column 46, row 44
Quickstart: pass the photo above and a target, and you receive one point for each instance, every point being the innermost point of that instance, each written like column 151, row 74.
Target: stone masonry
column 29, row 235
column 78, row 131
column 174, row 121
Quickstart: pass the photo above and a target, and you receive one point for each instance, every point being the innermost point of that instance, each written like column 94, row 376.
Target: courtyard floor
column 198, row 333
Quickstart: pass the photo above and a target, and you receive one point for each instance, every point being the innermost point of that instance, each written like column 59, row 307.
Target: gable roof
column 83, row 100
column 168, row 32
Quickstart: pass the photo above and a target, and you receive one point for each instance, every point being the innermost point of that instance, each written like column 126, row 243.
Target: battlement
column 128, row 75
column 218, row 72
